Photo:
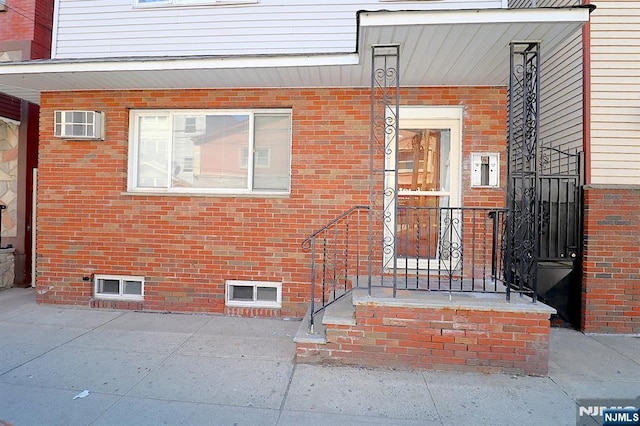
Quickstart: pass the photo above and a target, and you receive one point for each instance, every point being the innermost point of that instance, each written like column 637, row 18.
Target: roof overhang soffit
column 464, row 47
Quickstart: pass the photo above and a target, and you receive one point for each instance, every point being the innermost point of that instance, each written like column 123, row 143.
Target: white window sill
column 128, row 298
column 210, row 194
column 265, row 305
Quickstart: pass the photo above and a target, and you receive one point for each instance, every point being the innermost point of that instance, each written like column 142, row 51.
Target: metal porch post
column 385, row 108
column 523, row 222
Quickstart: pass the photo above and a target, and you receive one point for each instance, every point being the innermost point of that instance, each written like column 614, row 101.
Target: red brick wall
column 437, row 339
column 17, row 21
column 41, row 47
column 30, row 21
column 187, row 246
column 611, row 266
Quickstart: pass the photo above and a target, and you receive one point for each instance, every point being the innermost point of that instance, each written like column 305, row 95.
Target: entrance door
column 428, row 179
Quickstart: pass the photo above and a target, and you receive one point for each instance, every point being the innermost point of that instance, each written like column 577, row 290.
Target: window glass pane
column 445, row 159
column 153, row 149
column 78, row 117
column 218, row 163
column 109, row 286
column 239, row 292
column 267, row 294
column 78, row 129
column 132, row 287
column 186, row 130
column 195, row 149
column 271, row 152
column 190, row 124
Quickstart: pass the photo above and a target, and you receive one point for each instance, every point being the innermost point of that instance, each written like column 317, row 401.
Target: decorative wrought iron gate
column 542, row 246
column 559, row 246
column 521, row 254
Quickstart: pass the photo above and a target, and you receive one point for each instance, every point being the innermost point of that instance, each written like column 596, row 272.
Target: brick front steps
column 467, row 332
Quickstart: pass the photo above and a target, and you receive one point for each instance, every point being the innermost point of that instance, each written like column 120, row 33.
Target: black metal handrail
column 451, row 249
column 336, row 271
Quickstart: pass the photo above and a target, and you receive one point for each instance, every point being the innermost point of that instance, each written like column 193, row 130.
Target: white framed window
column 263, row 294
column 210, row 151
column 158, row 3
column 79, row 124
column 118, row 287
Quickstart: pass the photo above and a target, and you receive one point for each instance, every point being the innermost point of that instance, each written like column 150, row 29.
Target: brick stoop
column 467, row 332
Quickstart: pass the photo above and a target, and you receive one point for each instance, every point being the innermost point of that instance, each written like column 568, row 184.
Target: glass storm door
column 428, row 179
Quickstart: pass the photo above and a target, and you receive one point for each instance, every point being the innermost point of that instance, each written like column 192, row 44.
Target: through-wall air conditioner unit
column 87, row 125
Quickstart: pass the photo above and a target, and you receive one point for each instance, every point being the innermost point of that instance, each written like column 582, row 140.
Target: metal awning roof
column 461, row 47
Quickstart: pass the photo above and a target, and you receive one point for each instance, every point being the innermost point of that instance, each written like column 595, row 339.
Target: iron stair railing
column 336, row 258
column 447, row 249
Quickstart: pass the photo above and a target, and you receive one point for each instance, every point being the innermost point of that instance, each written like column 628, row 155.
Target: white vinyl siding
column 561, row 103
column 615, row 93
column 115, row 28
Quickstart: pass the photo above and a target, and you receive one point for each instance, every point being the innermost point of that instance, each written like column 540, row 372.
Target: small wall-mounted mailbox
column 485, row 169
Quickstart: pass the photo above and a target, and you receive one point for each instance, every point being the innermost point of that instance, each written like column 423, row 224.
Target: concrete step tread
column 341, row 312
column 304, row 334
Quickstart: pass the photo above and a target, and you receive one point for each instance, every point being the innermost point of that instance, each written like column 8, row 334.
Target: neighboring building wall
column 611, row 279
column 561, row 74
column 42, row 31
column 9, row 139
column 25, row 33
column 187, row 246
column 615, row 93
column 25, row 29
column 115, row 28
column 561, row 102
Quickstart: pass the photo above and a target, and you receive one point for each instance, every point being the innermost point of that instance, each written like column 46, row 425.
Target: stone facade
column 7, row 268
column 9, row 177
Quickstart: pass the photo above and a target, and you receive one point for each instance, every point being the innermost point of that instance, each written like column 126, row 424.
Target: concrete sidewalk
column 180, row 369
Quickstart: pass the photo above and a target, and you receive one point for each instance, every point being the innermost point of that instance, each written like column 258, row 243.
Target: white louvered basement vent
column 87, row 125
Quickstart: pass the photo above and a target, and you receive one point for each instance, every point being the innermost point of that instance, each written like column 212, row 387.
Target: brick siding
column 187, row 246
column 611, row 266
column 437, row 339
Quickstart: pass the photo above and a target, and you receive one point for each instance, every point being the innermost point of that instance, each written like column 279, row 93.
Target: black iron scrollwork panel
column 523, row 224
